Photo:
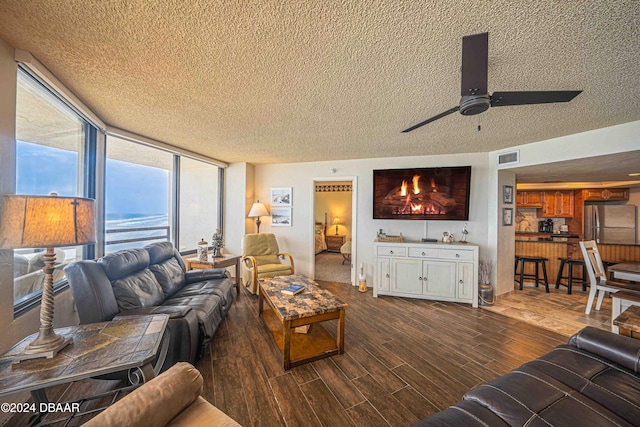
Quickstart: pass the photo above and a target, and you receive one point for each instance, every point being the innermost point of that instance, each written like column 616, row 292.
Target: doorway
column 334, row 229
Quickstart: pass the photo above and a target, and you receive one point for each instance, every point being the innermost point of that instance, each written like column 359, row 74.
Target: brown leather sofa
column 171, row 399
column 594, row 380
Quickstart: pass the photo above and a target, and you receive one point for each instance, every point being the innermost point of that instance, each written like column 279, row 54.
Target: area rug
column 329, row 267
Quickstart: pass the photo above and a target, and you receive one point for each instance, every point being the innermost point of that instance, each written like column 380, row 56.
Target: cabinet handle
column 424, row 278
column 387, row 275
column 457, row 255
column 461, row 281
column 391, row 252
column 423, row 254
column 420, row 278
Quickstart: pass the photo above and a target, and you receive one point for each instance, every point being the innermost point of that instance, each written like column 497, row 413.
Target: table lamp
column 258, row 210
column 46, row 222
column 336, row 222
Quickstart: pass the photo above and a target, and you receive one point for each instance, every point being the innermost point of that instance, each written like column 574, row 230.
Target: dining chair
column 598, row 281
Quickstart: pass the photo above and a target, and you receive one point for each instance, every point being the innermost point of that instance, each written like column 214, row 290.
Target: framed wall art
column 281, row 196
column 507, row 216
column 280, row 217
column 507, row 194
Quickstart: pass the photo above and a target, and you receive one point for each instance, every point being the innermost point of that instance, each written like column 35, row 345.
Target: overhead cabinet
column 605, row 194
column 438, row 271
column 558, row 204
column 529, row 199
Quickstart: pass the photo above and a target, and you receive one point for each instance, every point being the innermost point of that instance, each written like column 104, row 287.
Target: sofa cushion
column 280, row 269
column 137, row 290
column 222, row 288
column 124, row 263
column 170, row 276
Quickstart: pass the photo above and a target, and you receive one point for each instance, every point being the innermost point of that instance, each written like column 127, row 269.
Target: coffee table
column 127, row 344
column 226, row 260
column 310, row 307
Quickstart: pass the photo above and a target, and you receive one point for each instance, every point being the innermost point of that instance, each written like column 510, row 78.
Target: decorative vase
column 362, row 279
column 203, row 249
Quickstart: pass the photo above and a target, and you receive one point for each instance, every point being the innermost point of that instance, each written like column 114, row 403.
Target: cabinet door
column 465, row 280
column 383, row 275
column 557, row 204
column 529, row 199
column 602, row 194
column 406, row 276
column 439, row 278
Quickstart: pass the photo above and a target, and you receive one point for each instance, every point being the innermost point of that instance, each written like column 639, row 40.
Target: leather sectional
column 594, row 380
column 154, row 280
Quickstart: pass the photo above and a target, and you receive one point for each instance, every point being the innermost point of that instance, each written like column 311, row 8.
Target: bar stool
column 570, row 263
column 523, row 260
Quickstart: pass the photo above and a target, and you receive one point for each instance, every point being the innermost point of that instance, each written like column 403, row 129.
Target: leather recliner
column 154, row 280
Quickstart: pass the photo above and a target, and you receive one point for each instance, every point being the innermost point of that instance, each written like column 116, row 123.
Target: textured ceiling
column 269, row 81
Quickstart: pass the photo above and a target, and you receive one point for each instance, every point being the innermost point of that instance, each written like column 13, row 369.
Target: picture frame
column 281, row 216
column 281, row 196
column 507, row 194
column 507, row 216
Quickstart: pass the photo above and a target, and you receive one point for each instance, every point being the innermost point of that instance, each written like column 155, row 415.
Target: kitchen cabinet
column 438, row 271
column 558, row 204
column 605, row 194
column 529, row 199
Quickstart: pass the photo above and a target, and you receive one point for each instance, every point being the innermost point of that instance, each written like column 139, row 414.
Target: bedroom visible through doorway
column 333, row 230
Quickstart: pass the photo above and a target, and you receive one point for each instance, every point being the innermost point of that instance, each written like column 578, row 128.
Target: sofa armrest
column 200, row 275
column 156, row 402
column 622, row 350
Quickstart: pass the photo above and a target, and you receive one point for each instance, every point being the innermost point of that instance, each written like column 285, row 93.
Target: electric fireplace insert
column 440, row 193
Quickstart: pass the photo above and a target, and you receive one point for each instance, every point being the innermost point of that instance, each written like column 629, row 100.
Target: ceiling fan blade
column 502, row 99
column 432, row 119
column 475, row 53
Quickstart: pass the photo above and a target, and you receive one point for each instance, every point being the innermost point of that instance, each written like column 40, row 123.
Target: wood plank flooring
column 404, row 360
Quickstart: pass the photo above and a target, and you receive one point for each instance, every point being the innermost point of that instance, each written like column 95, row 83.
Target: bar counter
column 552, row 250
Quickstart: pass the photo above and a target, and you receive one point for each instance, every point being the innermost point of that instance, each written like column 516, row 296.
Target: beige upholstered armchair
column 261, row 258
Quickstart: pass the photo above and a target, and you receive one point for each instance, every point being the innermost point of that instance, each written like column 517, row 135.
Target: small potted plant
column 485, row 266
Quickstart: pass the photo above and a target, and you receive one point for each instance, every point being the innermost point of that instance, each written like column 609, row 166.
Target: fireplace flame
column 416, row 208
column 403, row 188
column 433, row 185
column 416, row 189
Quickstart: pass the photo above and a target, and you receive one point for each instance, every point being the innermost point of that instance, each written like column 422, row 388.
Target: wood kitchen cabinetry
column 446, row 272
column 558, row 204
column 529, row 199
column 605, row 194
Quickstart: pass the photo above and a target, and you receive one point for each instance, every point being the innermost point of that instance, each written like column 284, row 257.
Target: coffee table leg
column 238, row 276
column 286, row 348
column 340, row 333
column 260, row 301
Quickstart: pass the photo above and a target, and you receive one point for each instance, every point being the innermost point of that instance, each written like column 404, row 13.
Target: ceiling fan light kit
column 475, row 98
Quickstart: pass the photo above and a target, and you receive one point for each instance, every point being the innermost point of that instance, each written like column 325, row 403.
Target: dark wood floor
column 404, row 360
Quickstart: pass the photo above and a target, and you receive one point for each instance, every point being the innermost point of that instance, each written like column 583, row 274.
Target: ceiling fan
column 475, row 98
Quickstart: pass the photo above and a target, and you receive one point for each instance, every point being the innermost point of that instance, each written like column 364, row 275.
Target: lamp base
column 46, row 345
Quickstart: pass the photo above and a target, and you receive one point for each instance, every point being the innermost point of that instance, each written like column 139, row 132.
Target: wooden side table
column 226, row 260
column 335, row 242
column 628, row 322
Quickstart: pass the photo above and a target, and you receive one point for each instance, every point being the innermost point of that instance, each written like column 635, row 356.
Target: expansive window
column 138, row 189
column 50, row 144
column 199, row 202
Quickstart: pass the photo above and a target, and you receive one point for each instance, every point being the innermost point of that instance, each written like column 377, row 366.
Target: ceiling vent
column 509, row 158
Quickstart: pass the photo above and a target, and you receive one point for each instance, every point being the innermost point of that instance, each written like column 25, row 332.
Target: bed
column 319, row 233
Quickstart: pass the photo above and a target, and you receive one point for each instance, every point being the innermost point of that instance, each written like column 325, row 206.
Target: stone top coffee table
column 312, row 306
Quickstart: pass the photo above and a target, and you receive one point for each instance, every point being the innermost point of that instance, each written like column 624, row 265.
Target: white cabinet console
column 438, row 271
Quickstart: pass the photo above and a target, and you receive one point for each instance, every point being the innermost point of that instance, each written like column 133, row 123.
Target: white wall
column 239, row 196
column 298, row 239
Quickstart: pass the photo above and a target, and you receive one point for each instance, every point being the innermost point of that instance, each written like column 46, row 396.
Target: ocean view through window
column 138, row 185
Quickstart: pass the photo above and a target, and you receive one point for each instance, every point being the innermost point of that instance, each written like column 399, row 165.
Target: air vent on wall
column 509, row 158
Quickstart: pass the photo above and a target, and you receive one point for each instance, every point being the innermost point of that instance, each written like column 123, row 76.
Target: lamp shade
column 46, row 221
column 257, row 210
column 336, row 220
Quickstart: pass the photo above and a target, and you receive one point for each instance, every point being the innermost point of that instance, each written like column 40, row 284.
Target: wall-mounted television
column 440, row 193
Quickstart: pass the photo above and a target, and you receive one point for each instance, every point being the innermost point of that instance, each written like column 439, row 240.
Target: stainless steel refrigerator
column 610, row 224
